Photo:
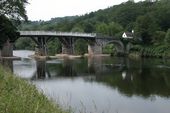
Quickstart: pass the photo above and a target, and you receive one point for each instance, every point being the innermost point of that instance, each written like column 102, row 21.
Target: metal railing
column 53, row 33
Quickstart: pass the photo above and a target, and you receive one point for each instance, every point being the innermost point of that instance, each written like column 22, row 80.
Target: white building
column 127, row 35
column 151, row 0
column 131, row 0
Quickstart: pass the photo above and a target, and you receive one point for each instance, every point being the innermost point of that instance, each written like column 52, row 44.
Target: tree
column 80, row 46
column 102, row 28
column 145, row 27
column 162, row 13
column 167, row 37
column 54, row 47
column 114, row 28
column 111, row 29
column 158, row 37
column 7, row 31
column 77, row 29
column 24, row 43
column 14, row 9
column 10, row 9
column 89, row 26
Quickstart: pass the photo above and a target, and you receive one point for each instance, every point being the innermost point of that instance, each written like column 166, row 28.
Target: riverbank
column 12, row 58
column 151, row 51
column 66, row 56
column 17, row 96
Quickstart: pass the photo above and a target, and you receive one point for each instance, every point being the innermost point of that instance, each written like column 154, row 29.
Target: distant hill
column 42, row 25
column 113, row 20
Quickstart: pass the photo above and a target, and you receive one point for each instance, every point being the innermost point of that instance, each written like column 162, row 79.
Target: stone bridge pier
column 41, row 48
column 7, row 49
column 94, row 49
column 67, row 45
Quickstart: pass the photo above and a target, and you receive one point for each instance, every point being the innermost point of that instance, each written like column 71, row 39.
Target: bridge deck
column 56, row 34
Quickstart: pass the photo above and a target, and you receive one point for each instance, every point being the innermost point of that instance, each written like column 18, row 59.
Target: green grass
column 18, row 96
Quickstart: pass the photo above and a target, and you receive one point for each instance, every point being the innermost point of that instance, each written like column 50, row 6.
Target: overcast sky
column 47, row 9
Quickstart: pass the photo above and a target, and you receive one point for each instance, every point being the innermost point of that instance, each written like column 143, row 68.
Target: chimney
column 133, row 31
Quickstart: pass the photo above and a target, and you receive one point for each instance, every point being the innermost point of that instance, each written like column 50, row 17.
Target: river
column 100, row 85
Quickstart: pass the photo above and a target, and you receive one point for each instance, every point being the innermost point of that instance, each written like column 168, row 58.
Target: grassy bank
column 159, row 51
column 17, row 96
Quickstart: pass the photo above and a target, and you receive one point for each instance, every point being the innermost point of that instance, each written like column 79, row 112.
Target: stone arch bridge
column 96, row 42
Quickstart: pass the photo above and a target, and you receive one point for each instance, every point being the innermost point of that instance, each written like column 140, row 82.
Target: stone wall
column 94, row 49
column 41, row 51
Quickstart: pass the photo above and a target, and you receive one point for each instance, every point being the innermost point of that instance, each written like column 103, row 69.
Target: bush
column 152, row 51
column 167, row 37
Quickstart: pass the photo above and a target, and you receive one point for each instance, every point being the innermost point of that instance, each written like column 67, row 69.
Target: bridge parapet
column 57, row 34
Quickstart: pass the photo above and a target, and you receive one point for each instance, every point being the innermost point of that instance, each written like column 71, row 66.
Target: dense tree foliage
column 167, row 37
column 54, row 46
column 145, row 28
column 14, row 9
column 10, row 11
column 24, row 43
column 52, row 24
column 112, row 29
column 80, row 47
column 7, row 31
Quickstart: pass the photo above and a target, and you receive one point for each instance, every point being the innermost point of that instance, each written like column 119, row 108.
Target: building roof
column 129, row 34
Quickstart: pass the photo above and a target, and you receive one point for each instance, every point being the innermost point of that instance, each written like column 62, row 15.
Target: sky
column 47, row 9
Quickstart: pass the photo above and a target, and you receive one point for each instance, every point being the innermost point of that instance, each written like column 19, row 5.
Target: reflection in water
column 67, row 69
column 24, row 68
column 42, row 70
column 141, row 81
column 129, row 79
column 123, row 74
column 108, row 85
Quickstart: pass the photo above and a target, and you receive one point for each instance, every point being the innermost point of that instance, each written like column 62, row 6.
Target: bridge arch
column 80, row 46
column 24, row 43
column 119, row 45
column 87, row 45
column 120, row 48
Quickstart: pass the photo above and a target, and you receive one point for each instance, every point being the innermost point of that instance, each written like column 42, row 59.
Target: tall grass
column 17, row 96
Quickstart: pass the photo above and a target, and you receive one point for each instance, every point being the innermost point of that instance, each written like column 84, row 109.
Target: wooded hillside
column 149, row 20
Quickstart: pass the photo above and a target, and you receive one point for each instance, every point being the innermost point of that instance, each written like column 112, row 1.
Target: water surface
column 101, row 85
